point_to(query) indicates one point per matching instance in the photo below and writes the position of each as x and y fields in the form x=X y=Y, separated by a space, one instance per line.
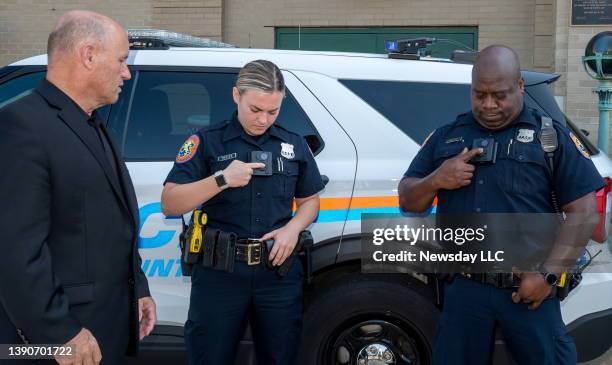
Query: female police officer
x=213 y=170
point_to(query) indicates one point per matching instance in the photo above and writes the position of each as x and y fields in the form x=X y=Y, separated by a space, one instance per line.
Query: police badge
x=525 y=135
x=287 y=150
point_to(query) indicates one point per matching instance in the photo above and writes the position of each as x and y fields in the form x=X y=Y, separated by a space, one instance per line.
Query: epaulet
x=286 y=130
x=214 y=127
x=459 y=118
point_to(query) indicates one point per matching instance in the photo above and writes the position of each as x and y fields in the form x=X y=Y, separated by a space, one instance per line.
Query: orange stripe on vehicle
x=374 y=202
x=360 y=202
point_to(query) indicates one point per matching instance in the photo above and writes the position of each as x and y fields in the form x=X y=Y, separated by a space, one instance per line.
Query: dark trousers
x=221 y=303
x=471 y=311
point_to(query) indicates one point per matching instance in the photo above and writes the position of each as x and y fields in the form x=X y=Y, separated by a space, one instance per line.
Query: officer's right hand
x=239 y=173
x=85 y=350
x=456 y=172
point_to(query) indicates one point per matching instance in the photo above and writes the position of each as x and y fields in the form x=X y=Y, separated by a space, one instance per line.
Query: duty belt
x=498 y=280
x=215 y=249
x=221 y=249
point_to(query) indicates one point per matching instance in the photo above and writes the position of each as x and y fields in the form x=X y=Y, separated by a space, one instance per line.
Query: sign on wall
x=591 y=12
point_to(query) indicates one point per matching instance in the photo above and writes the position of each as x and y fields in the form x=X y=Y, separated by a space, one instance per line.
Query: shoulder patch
x=188 y=149
x=579 y=146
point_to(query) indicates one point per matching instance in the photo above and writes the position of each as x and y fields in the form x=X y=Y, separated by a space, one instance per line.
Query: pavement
x=606 y=258
x=605 y=359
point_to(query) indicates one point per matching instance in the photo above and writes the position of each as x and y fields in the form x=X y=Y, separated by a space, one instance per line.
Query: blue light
x=391 y=46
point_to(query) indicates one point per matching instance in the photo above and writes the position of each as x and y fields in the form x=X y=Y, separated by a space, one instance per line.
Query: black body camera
x=489 y=147
x=265 y=158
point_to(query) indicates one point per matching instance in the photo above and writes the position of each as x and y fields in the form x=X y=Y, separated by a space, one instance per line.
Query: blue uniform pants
x=471 y=311
x=221 y=303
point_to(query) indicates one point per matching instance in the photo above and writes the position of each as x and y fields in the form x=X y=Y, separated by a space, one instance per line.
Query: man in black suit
x=70 y=271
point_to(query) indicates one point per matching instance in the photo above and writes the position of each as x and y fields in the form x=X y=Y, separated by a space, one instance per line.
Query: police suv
x=364 y=117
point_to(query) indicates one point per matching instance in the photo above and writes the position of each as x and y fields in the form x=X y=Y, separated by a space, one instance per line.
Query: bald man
x=518 y=180
x=71 y=269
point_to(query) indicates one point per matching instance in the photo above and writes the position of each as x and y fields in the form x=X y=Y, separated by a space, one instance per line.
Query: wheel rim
x=367 y=341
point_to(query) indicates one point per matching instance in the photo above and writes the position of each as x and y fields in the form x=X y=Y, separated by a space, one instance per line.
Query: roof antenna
x=299 y=36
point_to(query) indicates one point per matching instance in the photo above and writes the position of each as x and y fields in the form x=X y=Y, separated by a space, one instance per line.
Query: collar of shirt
x=94 y=120
x=234 y=130
x=526 y=116
x=60 y=100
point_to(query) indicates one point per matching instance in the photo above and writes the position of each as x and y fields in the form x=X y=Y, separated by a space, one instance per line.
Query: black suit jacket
x=68 y=229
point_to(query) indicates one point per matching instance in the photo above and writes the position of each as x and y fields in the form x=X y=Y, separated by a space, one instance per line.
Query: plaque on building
x=591 y=12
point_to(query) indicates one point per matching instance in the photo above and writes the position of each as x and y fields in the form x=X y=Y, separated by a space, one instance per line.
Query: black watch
x=220 y=180
x=550 y=278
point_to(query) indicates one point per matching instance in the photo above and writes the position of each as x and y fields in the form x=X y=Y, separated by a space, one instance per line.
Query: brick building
x=539 y=30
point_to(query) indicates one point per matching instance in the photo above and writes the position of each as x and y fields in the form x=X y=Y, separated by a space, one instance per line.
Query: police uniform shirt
x=519 y=180
x=265 y=203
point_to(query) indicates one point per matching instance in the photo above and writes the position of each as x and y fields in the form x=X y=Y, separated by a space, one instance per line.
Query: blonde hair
x=260 y=75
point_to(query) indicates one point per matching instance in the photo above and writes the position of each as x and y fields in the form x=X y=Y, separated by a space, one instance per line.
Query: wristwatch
x=220 y=180
x=550 y=278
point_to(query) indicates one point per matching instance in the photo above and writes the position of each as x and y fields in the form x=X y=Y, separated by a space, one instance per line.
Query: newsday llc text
x=451 y=243
x=412 y=235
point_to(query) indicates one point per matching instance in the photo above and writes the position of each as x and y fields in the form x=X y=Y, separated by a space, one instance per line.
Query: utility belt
x=219 y=250
x=497 y=279
x=566 y=283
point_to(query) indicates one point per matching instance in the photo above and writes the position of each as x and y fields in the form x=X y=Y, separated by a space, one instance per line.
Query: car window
x=16 y=88
x=168 y=106
x=541 y=98
x=414 y=107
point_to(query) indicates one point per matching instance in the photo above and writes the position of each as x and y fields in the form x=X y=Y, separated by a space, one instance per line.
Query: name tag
x=453 y=140
x=227 y=157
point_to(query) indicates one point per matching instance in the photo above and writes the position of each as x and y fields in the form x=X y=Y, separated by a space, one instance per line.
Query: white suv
x=364 y=116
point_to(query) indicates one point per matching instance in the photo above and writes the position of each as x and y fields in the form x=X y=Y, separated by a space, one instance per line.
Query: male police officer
x=246 y=200
x=519 y=182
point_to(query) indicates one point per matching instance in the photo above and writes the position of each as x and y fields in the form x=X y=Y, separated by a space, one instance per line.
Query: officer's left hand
x=533 y=290
x=147 y=315
x=285 y=240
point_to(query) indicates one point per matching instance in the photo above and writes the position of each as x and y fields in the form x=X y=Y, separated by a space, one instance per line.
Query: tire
x=393 y=315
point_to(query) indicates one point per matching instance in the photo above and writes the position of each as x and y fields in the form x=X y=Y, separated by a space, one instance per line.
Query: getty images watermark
x=453 y=243
x=411 y=235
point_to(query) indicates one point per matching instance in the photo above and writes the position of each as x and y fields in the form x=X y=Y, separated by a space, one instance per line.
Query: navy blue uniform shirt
x=519 y=181
x=265 y=203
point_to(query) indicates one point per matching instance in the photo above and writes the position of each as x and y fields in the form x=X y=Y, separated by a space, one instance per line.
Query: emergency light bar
x=409 y=48
x=415 y=48
x=163 y=39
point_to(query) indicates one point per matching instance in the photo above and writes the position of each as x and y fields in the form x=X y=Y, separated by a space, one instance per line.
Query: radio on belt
x=265 y=158
x=489 y=147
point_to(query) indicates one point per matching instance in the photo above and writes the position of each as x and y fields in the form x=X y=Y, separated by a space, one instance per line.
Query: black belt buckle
x=498 y=280
x=253 y=251
x=508 y=280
